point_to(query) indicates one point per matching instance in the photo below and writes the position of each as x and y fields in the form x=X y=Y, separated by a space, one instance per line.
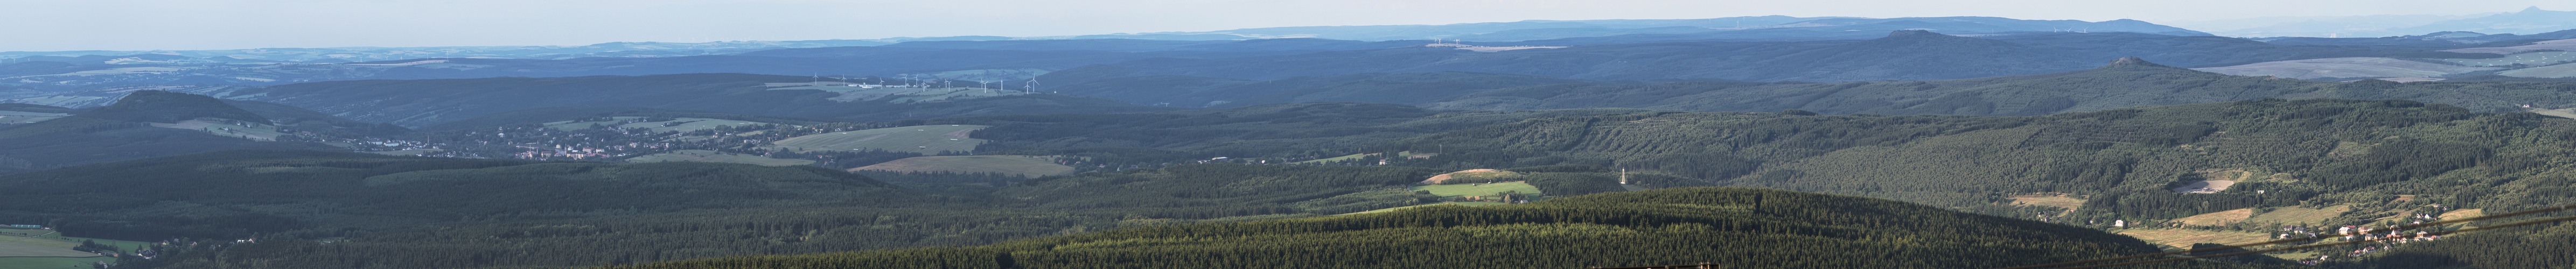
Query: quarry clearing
x=924 y=139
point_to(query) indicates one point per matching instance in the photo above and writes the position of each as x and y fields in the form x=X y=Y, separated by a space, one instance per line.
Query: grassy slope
x=1009 y=165
x=926 y=139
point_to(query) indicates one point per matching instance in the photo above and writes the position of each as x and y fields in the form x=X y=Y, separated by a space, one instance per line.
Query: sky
x=66 y=25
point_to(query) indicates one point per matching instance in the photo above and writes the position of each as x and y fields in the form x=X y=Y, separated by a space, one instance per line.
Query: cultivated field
x=925 y=139
x=51 y=262
x=2218 y=218
x=2184 y=238
x=2528 y=59
x=11 y=248
x=2347 y=67
x=1456 y=190
x=2562 y=44
x=1017 y=165
x=715 y=157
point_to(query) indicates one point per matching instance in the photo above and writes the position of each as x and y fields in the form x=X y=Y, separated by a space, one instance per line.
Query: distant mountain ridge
x=1895 y=55
x=2126 y=82
x=2531 y=20
x=428 y=102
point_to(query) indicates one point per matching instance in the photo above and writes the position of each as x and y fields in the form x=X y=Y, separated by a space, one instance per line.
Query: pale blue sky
x=55 y=25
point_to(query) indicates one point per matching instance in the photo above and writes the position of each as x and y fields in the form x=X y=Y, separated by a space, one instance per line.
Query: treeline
x=353 y=210
x=1725 y=226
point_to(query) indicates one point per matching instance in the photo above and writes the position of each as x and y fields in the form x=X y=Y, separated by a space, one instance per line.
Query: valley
x=1745 y=141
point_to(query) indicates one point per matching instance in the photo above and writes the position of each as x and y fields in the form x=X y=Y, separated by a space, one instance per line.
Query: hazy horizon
x=245 y=24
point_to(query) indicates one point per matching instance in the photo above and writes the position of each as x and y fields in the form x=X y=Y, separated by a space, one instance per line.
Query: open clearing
x=1015 y=165
x=2285 y=215
x=2557 y=114
x=2218 y=218
x=2348 y=67
x=2184 y=238
x=925 y=139
x=1413 y=206
x=2205 y=186
x=14 y=117
x=9 y=248
x=715 y=157
x=1457 y=190
x=2058 y=201
x=1472 y=175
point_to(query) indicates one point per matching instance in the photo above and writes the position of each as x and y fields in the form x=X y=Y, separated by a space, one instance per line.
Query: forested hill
x=126 y=130
x=247 y=193
x=169 y=107
x=1733 y=227
x=2126 y=82
x=2310 y=152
